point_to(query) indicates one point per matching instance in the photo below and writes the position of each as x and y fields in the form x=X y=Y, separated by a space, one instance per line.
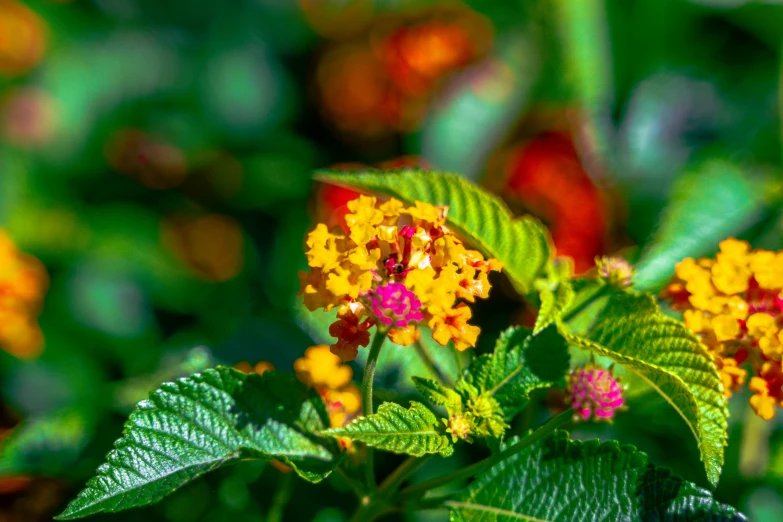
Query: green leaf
x=632 y=331
x=710 y=203
x=415 y=431
x=439 y=394
x=520 y=364
x=202 y=422
x=558 y=479
x=481 y=218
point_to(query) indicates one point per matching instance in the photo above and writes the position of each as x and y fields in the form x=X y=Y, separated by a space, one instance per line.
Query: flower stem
x=399 y=475
x=580 y=307
x=426 y=358
x=280 y=500
x=475 y=468
x=367 y=408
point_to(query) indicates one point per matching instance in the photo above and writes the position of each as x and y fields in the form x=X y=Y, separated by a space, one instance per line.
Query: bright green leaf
x=712 y=202
x=558 y=479
x=556 y=293
x=632 y=331
x=520 y=364
x=415 y=431
x=202 y=422
x=481 y=218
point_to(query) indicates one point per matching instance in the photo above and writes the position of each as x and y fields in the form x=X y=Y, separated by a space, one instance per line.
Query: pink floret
x=394 y=305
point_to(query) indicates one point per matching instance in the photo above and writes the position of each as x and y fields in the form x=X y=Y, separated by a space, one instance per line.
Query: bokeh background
x=156 y=159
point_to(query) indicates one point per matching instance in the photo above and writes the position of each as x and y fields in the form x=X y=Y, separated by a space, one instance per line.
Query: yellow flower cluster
x=396 y=267
x=734 y=304
x=23 y=282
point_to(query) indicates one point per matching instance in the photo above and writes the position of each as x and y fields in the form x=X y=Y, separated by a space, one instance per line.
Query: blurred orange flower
x=23 y=38
x=210 y=245
x=23 y=282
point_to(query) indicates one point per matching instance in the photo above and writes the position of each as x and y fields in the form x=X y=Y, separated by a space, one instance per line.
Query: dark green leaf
x=202 y=422
x=481 y=218
x=415 y=431
x=558 y=479
x=632 y=331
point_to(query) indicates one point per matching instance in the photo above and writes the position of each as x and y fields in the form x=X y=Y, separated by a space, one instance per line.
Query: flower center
x=394 y=305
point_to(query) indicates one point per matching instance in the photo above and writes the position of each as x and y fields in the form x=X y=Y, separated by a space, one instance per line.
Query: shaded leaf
x=196 y=424
x=558 y=479
x=632 y=331
x=521 y=363
x=712 y=202
x=439 y=394
x=415 y=431
x=481 y=218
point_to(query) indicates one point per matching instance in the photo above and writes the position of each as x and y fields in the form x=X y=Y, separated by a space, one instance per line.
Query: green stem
x=580 y=307
x=463 y=473
x=356 y=486
x=280 y=500
x=399 y=475
x=477 y=467
x=425 y=357
x=367 y=408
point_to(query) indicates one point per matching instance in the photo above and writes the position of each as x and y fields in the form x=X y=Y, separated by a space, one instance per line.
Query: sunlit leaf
x=481 y=218
x=205 y=421
x=415 y=431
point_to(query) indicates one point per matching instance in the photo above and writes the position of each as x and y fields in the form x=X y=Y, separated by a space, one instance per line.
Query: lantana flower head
x=733 y=303
x=594 y=393
x=395 y=267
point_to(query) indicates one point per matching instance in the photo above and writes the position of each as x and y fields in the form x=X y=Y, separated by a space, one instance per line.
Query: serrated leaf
x=481 y=218
x=415 y=431
x=521 y=363
x=439 y=394
x=558 y=479
x=713 y=201
x=632 y=331
x=199 y=423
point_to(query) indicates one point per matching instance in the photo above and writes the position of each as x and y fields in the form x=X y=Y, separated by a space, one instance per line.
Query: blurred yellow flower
x=733 y=303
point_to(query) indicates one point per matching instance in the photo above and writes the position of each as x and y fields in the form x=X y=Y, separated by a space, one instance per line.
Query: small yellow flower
x=452 y=325
x=404 y=336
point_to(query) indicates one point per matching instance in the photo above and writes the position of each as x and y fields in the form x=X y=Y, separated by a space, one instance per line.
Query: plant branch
x=367 y=407
x=580 y=307
x=399 y=475
x=280 y=500
x=477 y=467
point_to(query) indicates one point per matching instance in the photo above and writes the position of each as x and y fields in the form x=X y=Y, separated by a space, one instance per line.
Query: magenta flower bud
x=394 y=305
x=594 y=393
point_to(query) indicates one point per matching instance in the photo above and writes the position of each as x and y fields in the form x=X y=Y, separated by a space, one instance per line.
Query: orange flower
x=350 y=334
